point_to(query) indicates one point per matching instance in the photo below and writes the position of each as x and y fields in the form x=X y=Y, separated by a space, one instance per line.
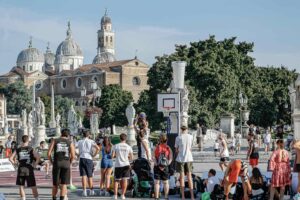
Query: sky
x=152 y=28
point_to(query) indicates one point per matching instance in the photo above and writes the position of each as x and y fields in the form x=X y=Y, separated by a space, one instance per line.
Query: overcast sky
x=153 y=27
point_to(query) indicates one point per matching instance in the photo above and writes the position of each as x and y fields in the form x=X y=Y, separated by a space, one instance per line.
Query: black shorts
x=161 y=174
x=61 y=173
x=122 y=173
x=29 y=179
x=224 y=159
x=86 y=167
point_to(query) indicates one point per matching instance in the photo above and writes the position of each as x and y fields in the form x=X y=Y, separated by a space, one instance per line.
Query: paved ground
x=203 y=162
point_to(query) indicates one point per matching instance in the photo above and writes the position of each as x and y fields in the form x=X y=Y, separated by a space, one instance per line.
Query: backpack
x=161 y=155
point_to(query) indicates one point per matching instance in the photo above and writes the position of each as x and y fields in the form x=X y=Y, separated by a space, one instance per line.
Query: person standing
x=106 y=166
x=281 y=171
x=267 y=141
x=224 y=153
x=123 y=154
x=238 y=142
x=8 y=150
x=235 y=169
x=43 y=163
x=145 y=146
x=87 y=150
x=216 y=147
x=184 y=159
x=253 y=151
x=25 y=156
x=163 y=157
x=139 y=124
x=199 y=137
x=63 y=155
x=296 y=167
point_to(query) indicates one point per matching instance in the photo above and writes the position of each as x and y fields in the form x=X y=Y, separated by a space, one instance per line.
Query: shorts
x=184 y=167
x=41 y=163
x=30 y=179
x=86 y=167
x=61 y=173
x=215 y=150
x=106 y=163
x=297 y=168
x=161 y=174
x=122 y=173
x=253 y=161
x=224 y=159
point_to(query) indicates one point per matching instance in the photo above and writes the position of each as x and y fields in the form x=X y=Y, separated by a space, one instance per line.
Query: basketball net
x=166 y=111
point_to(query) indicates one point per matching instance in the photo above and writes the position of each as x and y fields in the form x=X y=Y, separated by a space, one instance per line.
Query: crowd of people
x=117 y=160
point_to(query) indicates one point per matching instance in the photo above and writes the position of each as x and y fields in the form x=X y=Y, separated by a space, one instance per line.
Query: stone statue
x=5 y=126
x=130 y=114
x=39 y=113
x=30 y=125
x=24 y=118
x=292 y=94
x=72 y=120
x=185 y=100
x=94 y=123
x=80 y=122
x=57 y=119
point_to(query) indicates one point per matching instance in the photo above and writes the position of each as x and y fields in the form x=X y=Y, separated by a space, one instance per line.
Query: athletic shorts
x=61 y=173
x=29 y=178
x=106 y=163
x=86 y=167
x=184 y=167
x=224 y=159
x=122 y=173
x=161 y=174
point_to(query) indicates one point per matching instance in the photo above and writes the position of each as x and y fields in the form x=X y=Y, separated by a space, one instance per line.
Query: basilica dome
x=104 y=57
x=69 y=47
x=30 y=55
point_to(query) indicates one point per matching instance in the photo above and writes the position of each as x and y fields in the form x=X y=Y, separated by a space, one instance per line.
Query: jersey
x=25 y=156
x=61 y=149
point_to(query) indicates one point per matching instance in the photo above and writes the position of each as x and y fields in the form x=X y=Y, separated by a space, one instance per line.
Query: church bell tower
x=106 y=37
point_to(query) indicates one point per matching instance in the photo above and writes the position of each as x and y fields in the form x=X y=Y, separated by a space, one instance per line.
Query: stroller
x=143 y=181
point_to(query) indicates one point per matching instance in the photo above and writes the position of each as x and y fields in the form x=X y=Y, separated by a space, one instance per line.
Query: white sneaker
x=84 y=194
x=107 y=194
x=92 y=193
x=115 y=197
x=123 y=197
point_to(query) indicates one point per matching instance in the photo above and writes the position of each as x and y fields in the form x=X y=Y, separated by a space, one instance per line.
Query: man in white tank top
x=224 y=153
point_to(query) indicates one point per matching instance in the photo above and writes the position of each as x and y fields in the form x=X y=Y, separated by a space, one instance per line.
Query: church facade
x=67 y=73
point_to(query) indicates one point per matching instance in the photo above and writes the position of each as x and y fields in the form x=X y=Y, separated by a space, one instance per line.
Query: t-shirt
x=25 y=156
x=211 y=182
x=85 y=147
x=184 y=144
x=62 y=149
x=216 y=146
x=267 y=138
x=122 y=151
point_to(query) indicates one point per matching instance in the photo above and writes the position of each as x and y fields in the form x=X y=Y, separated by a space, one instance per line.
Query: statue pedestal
x=245 y=130
x=52 y=124
x=227 y=124
x=296 y=120
x=30 y=133
x=57 y=132
x=40 y=135
x=131 y=137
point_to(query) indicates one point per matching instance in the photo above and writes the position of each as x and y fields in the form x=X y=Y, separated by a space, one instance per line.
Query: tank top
x=105 y=155
x=222 y=148
x=25 y=156
x=62 y=149
x=144 y=154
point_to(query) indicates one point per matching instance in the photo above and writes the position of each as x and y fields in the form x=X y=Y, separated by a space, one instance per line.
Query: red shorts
x=253 y=161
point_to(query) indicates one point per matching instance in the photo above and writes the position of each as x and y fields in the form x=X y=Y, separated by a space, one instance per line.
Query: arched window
x=83 y=103
x=78 y=82
x=77 y=103
x=111 y=40
x=63 y=83
x=30 y=67
x=106 y=39
x=136 y=80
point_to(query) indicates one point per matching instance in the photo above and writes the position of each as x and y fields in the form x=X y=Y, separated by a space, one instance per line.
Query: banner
x=6 y=166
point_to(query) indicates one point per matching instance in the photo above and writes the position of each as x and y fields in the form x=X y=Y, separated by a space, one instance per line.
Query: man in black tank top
x=63 y=155
x=27 y=160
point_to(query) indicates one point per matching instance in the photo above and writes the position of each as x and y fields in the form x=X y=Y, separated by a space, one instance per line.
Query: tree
x=216 y=72
x=18 y=97
x=113 y=103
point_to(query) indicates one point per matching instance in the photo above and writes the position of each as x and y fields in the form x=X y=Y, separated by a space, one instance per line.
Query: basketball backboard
x=168 y=102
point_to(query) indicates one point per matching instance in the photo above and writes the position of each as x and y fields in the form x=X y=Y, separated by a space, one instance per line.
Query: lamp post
x=94 y=116
x=244 y=113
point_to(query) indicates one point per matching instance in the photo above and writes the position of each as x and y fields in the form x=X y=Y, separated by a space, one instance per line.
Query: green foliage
x=62 y=106
x=113 y=103
x=216 y=72
x=18 y=97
